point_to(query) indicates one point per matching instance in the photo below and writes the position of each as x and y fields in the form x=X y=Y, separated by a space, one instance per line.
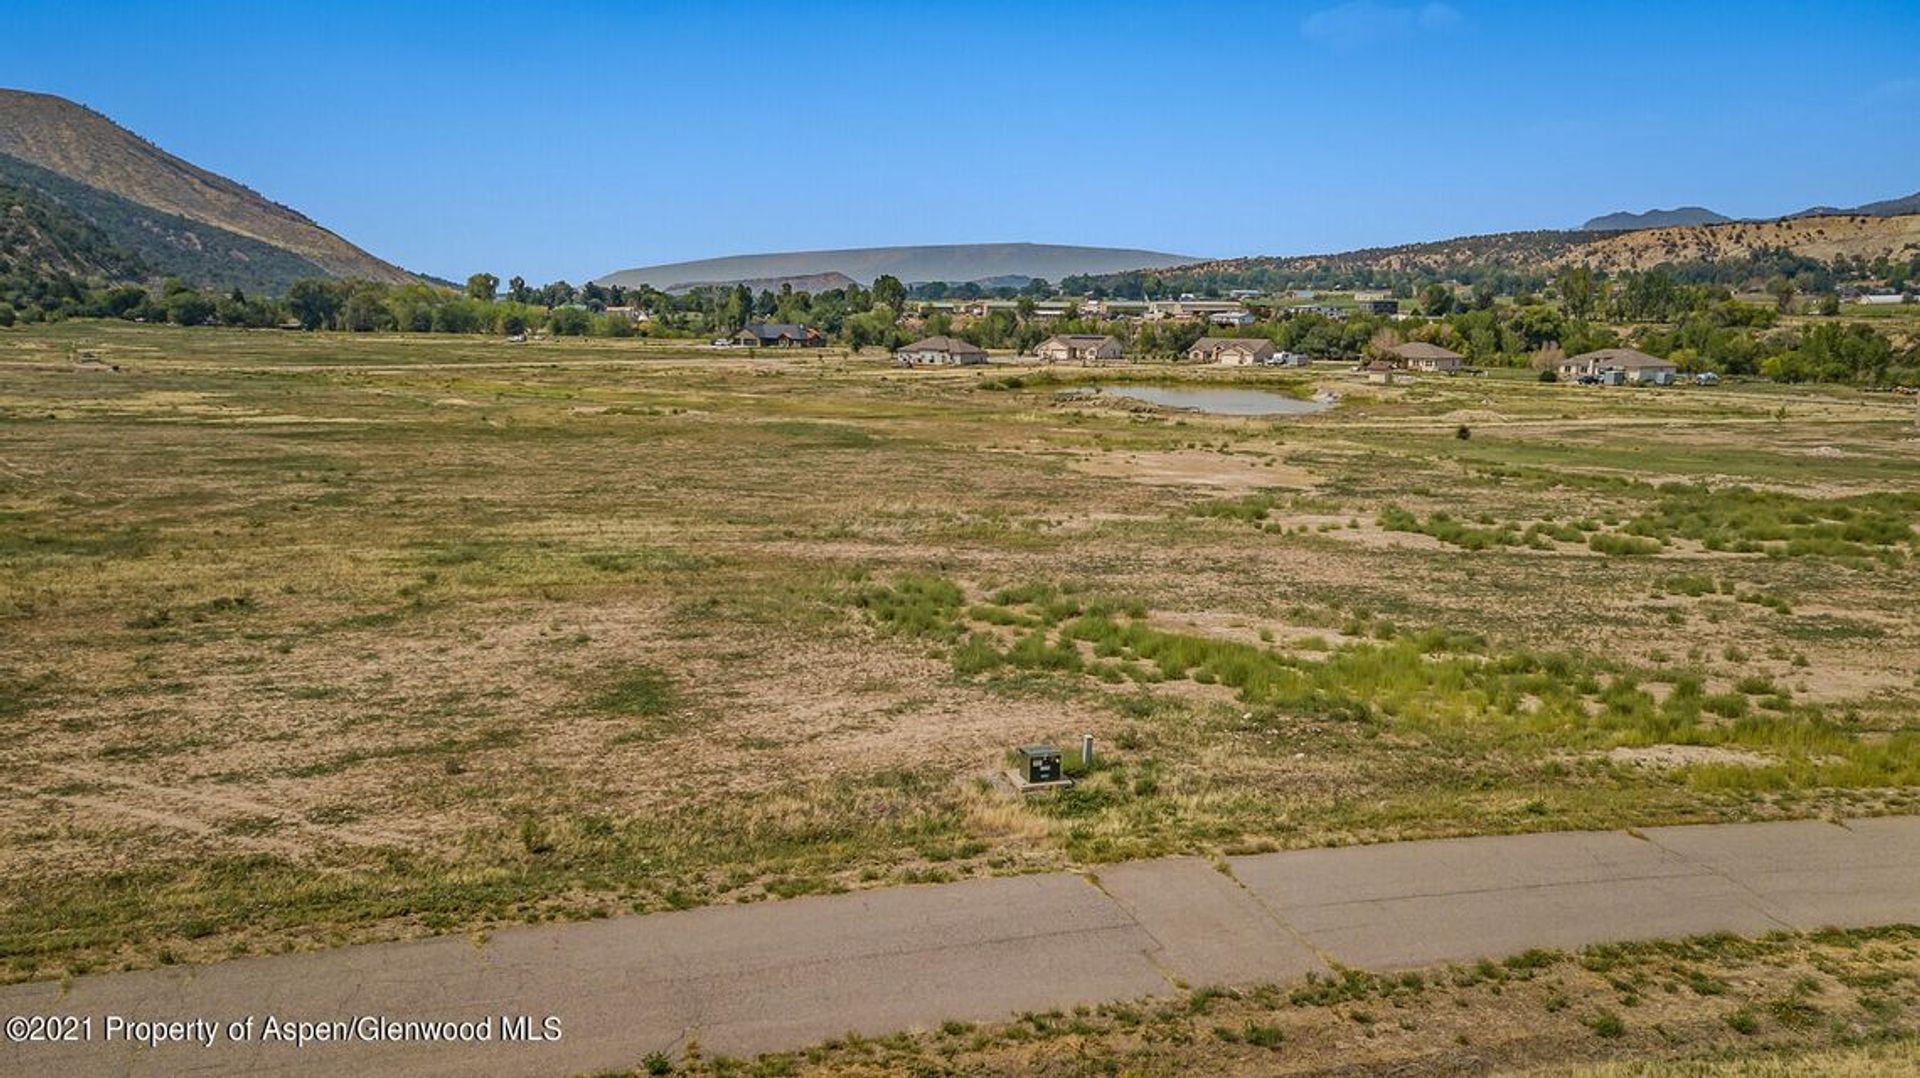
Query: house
x=1231 y=318
x=941 y=352
x=1379 y=306
x=1232 y=351
x=1421 y=356
x=779 y=335
x=1081 y=347
x=1628 y=364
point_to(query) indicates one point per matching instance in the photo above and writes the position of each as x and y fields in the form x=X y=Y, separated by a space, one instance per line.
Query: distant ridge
x=180 y=218
x=1891 y=207
x=810 y=282
x=956 y=263
x=1700 y=215
x=1823 y=237
x=1680 y=215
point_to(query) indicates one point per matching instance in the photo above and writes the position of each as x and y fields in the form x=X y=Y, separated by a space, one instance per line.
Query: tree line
x=1697 y=324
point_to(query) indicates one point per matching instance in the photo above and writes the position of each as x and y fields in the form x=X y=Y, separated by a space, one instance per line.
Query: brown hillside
x=84 y=146
x=1544 y=252
x=1825 y=238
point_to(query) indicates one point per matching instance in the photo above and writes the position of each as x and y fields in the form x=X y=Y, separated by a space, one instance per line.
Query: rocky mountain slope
x=178 y=217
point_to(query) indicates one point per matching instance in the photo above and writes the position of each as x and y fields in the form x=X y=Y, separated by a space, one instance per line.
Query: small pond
x=1221 y=401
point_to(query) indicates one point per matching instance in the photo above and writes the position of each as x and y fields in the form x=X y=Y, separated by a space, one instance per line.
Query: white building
x=941 y=352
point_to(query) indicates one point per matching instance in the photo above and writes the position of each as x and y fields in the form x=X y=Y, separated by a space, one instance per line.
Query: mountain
x=1823 y=238
x=1680 y=215
x=806 y=282
x=1892 y=207
x=1700 y=215
x=958 y=263
x=176 y=217
x=38 y=232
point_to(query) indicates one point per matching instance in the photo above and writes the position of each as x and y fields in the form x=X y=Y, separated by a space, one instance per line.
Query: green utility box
x=1040 y=763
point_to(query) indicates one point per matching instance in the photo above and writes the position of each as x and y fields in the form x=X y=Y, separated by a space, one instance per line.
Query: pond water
x=1221 y=401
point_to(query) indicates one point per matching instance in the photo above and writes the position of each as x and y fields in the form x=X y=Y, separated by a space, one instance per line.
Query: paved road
x=747 y=979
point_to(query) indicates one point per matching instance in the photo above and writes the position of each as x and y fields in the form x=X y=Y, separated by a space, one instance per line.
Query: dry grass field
x=311 y=639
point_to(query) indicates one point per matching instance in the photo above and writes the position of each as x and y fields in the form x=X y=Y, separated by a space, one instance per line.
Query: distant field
x=313 y=638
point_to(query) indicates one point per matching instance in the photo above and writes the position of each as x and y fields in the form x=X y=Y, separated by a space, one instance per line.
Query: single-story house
x=1421 y=356
x=1082 y=347
x=1232 y=351
x=1379 y=306
x=1231 y=318
x=1631 y=366
x=941 y=352
x=779 y=335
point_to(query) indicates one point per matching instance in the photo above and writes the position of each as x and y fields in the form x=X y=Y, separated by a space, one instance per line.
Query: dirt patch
x=1666 y=757
x=1193 y=468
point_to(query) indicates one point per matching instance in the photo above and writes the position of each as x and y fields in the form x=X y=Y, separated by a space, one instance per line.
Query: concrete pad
x=781 y=975
x=740 y=979
x=1814 y=874
x=1403 y=905
x=1209 y=928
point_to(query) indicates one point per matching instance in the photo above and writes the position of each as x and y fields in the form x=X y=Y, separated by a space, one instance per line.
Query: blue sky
x=573 y=140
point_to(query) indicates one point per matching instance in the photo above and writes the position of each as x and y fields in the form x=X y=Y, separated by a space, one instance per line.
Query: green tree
x=364 y=312
x=890 y=293
x=1578 y=291
x=571 y=322
x=1436 y=299
x=189 y=309
x=483 y=287
x=313 y=302
x=1782 y=289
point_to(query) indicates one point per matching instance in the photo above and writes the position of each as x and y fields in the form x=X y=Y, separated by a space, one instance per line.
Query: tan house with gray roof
x=1421 y=356
x=1080 y=347
x=1621 y=364
x=1232 y=351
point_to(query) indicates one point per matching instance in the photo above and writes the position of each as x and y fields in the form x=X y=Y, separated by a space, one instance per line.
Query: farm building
x=1079 y=347
x=1379 y=372
x=1231 y=318
x=1189 y=307
x=779 y=335
x=1628 y=364
x=1232 y=351
x=941 y=352
x=1421 y=356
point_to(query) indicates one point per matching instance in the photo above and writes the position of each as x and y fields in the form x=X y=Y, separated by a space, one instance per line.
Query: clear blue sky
x=572 y=140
